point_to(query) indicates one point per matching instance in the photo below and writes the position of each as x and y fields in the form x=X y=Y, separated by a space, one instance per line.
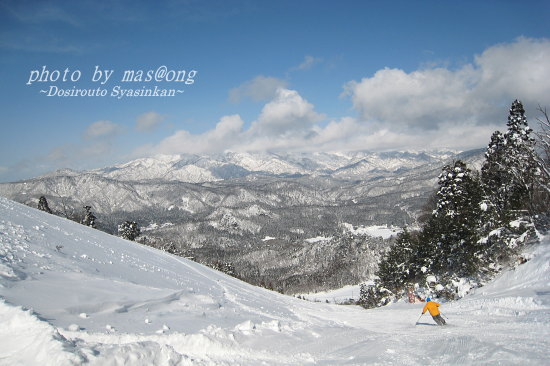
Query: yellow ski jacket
x=432 y=307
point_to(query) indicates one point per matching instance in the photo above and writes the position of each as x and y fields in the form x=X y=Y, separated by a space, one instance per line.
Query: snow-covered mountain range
x=129 y=187
x=198 y=169
x=71 y=295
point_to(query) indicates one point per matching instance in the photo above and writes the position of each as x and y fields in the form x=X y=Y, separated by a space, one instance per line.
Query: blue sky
x=271 y=75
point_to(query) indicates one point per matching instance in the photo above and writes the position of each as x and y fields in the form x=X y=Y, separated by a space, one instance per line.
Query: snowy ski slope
x=71 y=295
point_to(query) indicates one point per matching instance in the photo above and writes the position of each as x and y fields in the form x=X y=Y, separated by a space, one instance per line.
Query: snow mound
x=28 y=341
x=516 y=291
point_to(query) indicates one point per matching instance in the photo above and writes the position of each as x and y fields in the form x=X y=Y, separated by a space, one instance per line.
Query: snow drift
x=72 y=295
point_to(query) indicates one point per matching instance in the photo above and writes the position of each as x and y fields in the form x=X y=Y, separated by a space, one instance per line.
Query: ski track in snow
x=71 y=295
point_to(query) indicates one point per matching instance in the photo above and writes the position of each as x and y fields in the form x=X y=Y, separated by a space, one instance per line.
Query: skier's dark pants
x=439 y=320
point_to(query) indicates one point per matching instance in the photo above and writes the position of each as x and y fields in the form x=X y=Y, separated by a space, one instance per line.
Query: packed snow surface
x=71 y=295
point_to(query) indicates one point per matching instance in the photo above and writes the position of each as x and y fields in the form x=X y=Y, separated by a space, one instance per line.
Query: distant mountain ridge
x=200 y=169
x=129 y=186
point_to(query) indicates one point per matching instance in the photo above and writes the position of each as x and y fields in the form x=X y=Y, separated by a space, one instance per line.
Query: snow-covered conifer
x=452 y=230
x=89 y=217
x=43 y=205
x=512 y=177
x=396 y=269
x=129 y=230
x=373 y=296
x=543 y=142
x=511 y=170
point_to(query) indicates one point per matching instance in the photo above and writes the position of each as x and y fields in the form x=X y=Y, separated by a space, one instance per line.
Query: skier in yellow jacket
x=432 y=307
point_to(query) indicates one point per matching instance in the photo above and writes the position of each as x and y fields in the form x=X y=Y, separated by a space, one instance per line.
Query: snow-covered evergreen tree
x=542 y=196
x=511 y=177
x=493 y=171
x=373 y=296
x=172 y=248
x=89 y=217
x=129 y=230
x=452 y=230
x=543 y=140
x=511 y=170
x=224 y=267
x=43 y=205
x=395 y=269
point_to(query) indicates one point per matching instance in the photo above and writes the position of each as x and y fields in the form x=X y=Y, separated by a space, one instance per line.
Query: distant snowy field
x=71 y=295
x=375 y=230
x=335 y=296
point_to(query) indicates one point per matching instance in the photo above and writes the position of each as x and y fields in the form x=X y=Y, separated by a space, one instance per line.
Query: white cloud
x=288 y=113
x=39 y=13
x=226 y=134
x=71 y=154
x=149 y=121
x=58 y=154
x=284 y=122
x=308 y=63
x=520 y=69
x=421 y=99
x=261 y=88
x=102 y=129
x=98 y=147
x=80 y=156
x=475 y=93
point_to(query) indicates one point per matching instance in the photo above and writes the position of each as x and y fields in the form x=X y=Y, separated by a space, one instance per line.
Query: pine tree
x=494 y=174
x=543 y=142
x=451 y=233
x=542 y=195
x=511 y=177
x=129 y=230
x=89 y=217
x=511 y=170
x=172 y=248
x=225 y=267
x=43 y=205
x=373 y=296
x=395 y=269
x=521 y=160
